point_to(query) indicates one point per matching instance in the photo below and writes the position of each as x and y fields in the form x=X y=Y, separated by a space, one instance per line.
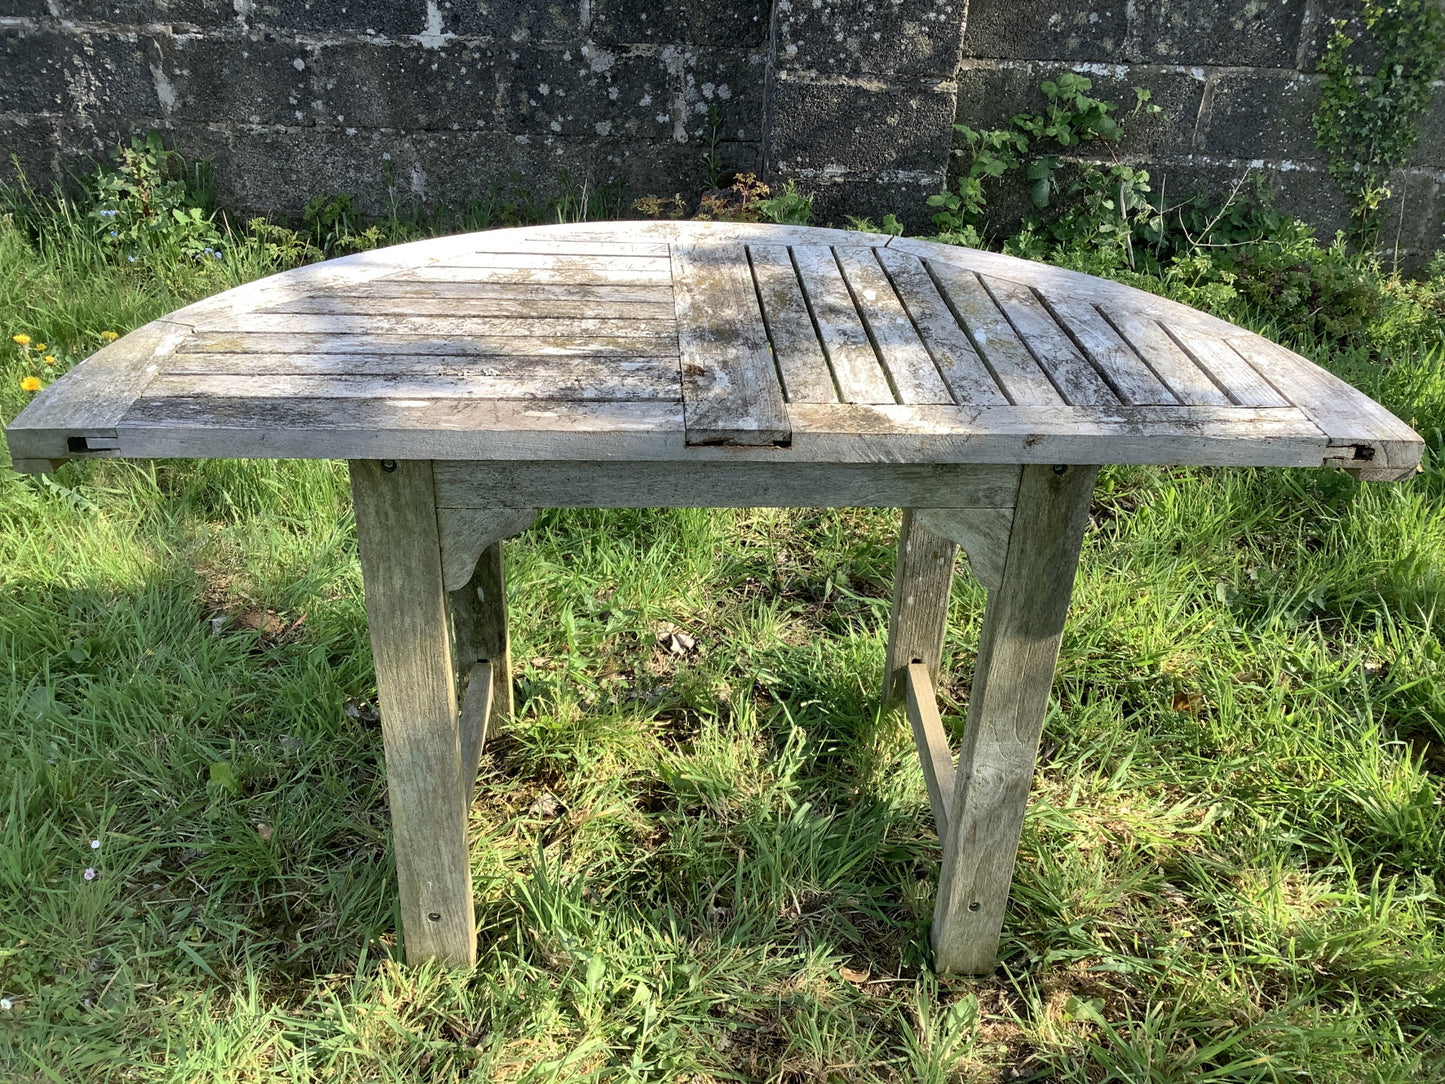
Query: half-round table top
x=647 y=341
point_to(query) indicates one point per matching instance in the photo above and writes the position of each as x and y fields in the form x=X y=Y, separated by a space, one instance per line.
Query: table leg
x=1018 y=648
x=479 y=618
x=396 y=528
x=921 y=582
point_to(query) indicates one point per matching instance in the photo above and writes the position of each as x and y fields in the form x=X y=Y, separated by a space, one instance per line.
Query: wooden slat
x=1368 y=437
x=479 y=625
x=931 y=742
x=472 y=346
x=635 y=381
x=963 y=370
x=599 y=276
x=444 y=326
x=472 y=723
x=514 y=366
x=730 y=387
x=514 y=291
x=800 y=357
x=856 y=369
x=1078 y=382
x=1231 y=372
x=1189 y=383
x=1132 y=380
x=532 y=241
x=1013 y=367
x=910 y=366
x=535 y=309
x=549 y=262
x=725 y=484
x=982 y=534
x=466 y=533
x=1018 y=647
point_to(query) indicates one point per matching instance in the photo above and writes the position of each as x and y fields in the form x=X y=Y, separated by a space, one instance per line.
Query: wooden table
x=471 y=380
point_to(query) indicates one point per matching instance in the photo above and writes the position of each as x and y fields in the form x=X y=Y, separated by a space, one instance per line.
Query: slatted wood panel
x=656 y=340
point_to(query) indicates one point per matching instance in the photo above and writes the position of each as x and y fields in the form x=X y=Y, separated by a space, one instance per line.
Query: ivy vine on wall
x=1367 y=124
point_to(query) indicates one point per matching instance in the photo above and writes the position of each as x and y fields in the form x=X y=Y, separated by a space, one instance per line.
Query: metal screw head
x=388 y=465
x=1060 y=469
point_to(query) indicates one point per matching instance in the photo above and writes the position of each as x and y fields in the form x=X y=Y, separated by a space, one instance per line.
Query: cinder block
x=408 y=86
x=32 y=143
x=44 y=71
x=514 y=21
x=853 y=127
x=742 y=24
x=392 y=17
x=990 y=97
x=1430 y=151
x=864 y=195
x=238 y=77
x=203 y=13
x=1238 y=34
x=1266 y=115
x=893 y=38
x=87 y=143
x=593 y=92
x=1047 y=30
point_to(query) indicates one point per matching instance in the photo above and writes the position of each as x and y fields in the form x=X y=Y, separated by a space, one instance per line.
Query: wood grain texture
x=1078 y=382
x=724 y=484
x=479 y=624
x=473 y=723
x=964 y=372
x=1240 y=381
x=931 y=742
x=1189 y=383
x=730 y=388
x=800 y=357
x=909 y=365
x=542 y=344
x=982 y=534
x=922 y=580
x=299 y=326
x=1124 y=371
x=387 y=289
x=396 y=527
x=856 y=369
x=465 y=532
x=1018 y=648
x=1009 y=361
x=424 y=304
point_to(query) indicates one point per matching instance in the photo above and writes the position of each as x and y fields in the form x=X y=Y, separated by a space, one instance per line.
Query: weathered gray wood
x=982 y=534
x=922 y=578
x=856 y=368
x=396 y=527
x=521 y=346
x=294 y=324
x=1078 y=382
x=1132 y=380
x=87 y=403
x=479 y=624
x=1018 y=647
x=963 y=370
x=466 y=532
x=800 y=357
x=580 y=276
x=724 y=484
x=526 y=307
x=541 y=367
x=1230 y=371
x=531 y=240
x=547 y=261
x=931 y=742
x=911 y=371
x=1368 y=438
x=473 y=723
x=1013 y=367
x=1187 y=380
x=389 y=288
x=630 y=380
x=730 y=388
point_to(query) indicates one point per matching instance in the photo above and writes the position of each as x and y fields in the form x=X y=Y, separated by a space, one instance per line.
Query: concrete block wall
x=436 y=101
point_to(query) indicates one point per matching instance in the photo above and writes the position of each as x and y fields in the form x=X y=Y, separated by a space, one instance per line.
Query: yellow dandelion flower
x=30 y=383
x=23 y=340
x=40 y=346
x=49 y=359
x=109 y=336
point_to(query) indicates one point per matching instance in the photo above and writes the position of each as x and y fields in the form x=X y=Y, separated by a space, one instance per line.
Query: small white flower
x=6 y=1004
x=95 y=844
x=90 y=873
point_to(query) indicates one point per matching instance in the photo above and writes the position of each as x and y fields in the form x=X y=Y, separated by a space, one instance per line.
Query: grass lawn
x=717 y=864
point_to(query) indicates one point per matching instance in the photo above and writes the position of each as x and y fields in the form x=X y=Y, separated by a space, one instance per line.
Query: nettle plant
x=1099 y=202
